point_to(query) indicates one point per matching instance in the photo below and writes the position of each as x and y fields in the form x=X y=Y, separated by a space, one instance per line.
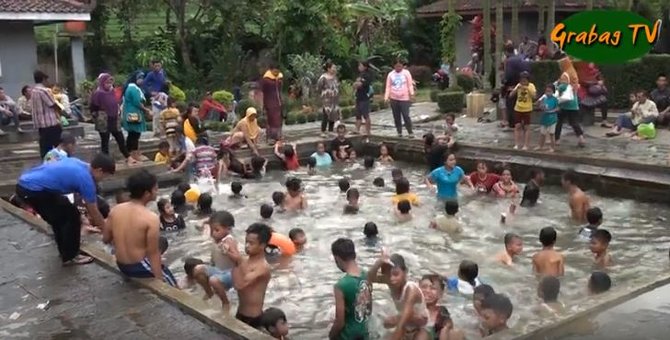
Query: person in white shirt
x=644 y=111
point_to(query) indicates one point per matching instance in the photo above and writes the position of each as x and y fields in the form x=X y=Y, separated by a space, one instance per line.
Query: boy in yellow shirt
x=163 y=154
x=402 y=193
x=169 y=122
x=525 y=97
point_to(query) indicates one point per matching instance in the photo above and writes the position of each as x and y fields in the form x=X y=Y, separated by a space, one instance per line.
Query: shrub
x=224 y=97
x=465 y=82
x=311 y=117
x=291 y=118
x=301 y=118
x=192 y=94
x=346 y=90
x=242 y=107
x=262 y=122
x=349 y=101
x=451 y=101
x=374 y=106
x=433 y=95
x=543 y=73
x=176 y=93
x=378 y=87
x=382 y=104
x=86 y=88
x=423 y=75
x=346 y=112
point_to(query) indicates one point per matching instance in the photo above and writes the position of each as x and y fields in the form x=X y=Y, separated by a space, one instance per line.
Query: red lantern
x=75 y=26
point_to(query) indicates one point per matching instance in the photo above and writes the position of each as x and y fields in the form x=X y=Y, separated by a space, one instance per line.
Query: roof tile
x=43 y=6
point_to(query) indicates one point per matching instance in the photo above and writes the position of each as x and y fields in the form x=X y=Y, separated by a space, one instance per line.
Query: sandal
x=78 y=261
x=611 y=134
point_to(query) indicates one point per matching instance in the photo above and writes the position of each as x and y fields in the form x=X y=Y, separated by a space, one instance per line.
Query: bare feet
x=550 y=150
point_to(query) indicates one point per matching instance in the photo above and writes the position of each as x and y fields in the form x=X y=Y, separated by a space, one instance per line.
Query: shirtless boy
x=548 y=261
x=513 y=247
x=251 y=275
x=600 y=241
x=579 y=202
x=295 y=198
x=134 y=231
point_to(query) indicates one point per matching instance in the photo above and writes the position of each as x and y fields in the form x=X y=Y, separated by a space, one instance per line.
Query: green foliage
x=545 y=72
x=622 y=79
x=346 y=112
x=176 y=93
x=422 y=74
x=158 y=47
x=223 y=97
x=217 y=126
x=86 y=87
x=433 y=95
x=242 y=107
x=346 y=91
x=451 y=101
x=374 y=106
x=311 y=117
x=306 y=70
x=449 y=26
x=378 y=87
x=291 y=118
x=301 y=118
x=465 y=82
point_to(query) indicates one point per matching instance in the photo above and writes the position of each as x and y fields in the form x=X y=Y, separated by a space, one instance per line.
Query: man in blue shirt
x=44 y=188
x=155 y=81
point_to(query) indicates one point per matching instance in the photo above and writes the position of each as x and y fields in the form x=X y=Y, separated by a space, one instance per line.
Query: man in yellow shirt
x=525 y=97
x=402 y=193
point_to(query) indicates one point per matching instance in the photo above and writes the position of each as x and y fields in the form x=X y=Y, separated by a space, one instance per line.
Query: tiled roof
x=475 y=6
x=43 y=6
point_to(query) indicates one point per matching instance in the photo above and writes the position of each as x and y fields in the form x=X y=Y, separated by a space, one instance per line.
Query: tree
x=551 y=22
x=499 y=40
x=515 y=21
x=181 y=8
x=450 y=23
x=541 y=12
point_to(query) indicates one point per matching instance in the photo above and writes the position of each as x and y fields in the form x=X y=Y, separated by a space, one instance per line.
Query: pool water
x=303 y=287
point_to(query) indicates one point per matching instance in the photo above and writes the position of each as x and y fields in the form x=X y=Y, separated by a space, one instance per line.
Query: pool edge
x=187 y=303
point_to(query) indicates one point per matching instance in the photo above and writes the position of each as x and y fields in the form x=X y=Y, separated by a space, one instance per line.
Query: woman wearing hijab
x=272 y=103
x=134 y=116
x=569 y=108
x=246 y=131
x=105 y=111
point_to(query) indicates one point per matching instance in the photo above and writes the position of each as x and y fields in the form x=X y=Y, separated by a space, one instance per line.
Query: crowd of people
x=136 y=234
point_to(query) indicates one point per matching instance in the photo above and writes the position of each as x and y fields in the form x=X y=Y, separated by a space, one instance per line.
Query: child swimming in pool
x=402 y=192
x=496 y=310
x=595 y=218
x=506 y=188
x=288 y=154
x=440 y=325
x=600 y=241
x=299 y=238
x=368 y=162
x=384 y=155
x=352 y=202
x=448 y=223
x=599 y=282
x=311 y=166
x=217 y=278
x=371 y=234
x=205 y=202
x=409 y=322
x=548 y=290
x=403 y=211
x=396 y=174
x=548 y=261
x=266 y=211
x=295 y=198
x=467 y=280
x=189 y=266
x=274 y=323
x=378 y=182
x=236 y=189
x=170 y=221
x=344 y=185
x=513 y=247
x=278 y=198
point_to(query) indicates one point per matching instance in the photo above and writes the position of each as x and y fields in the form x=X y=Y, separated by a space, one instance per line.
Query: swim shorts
x=225 y=276
x=142 y=270
x=254 y=322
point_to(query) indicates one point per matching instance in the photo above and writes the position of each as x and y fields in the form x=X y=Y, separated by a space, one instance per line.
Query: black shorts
x=254 y=322
x=363 y=109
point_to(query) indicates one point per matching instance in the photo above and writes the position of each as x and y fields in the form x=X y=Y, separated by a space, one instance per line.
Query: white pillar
x=78 y=61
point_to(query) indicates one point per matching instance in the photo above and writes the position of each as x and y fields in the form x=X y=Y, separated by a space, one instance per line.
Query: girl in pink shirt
x=400 y=93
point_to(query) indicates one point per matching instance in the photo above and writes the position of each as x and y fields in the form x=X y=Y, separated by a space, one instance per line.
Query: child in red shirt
x=288 y=155
x=482 y=179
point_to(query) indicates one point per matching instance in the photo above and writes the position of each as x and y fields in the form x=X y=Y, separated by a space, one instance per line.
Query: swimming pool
x=303 y=288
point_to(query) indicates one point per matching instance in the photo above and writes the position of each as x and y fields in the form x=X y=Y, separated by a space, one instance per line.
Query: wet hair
x=236 y=187
x=548 y=236
x=271 y=317
x=189 y=265
x=67 y=139
x=570 y=176
x=401 y=186
x=294 y=233
x=293 y=184
x=288 y=151
x=594 y=215
x=311 y=162
x=550 y=286
x=161 y=205
x=263 y=231
x=140 y=182
x=602 y=235
x=105 y=163
x=396 y=173
x=162 y=244
x=163 y=145
x=509 y=237
x=499 y=304
x=353 y=193
x=451 y=207
x=468 y=271
x=404 y=207
x=278 y=197
x=368 y=162
x=599 y=282
x=222 y=218
x=435 y=279
x=344 y=185
x=40 y=77
x=378 y=182
x=370 y=230
x=177 y=198
x=205 y=203
x=266 y=211
x=398 y=262
x=344 y=249
x=484 y=290
x=184 y=187
x=103 y=207
x=551 y=86
x=428 y=139
x=257 y=163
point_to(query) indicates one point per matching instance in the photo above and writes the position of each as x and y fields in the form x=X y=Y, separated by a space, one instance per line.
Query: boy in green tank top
x=353 y=295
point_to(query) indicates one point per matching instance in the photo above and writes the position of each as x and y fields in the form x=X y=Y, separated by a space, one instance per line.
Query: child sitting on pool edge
x=294 y=198
x=352 y=201
x=274 y=323
x=403 y=211
x=513 y=247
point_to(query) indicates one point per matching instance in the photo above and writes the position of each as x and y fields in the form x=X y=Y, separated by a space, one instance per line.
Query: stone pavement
x=86 y=302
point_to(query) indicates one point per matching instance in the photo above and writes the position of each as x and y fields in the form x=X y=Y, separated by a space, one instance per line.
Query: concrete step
x=32 y=135
x=28 y=125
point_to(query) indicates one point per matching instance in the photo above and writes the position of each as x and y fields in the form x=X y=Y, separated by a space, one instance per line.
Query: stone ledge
x=32 y=135
x=189 y=304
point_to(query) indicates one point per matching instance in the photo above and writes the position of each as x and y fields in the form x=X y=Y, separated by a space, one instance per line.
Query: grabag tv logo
x=607 y=37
